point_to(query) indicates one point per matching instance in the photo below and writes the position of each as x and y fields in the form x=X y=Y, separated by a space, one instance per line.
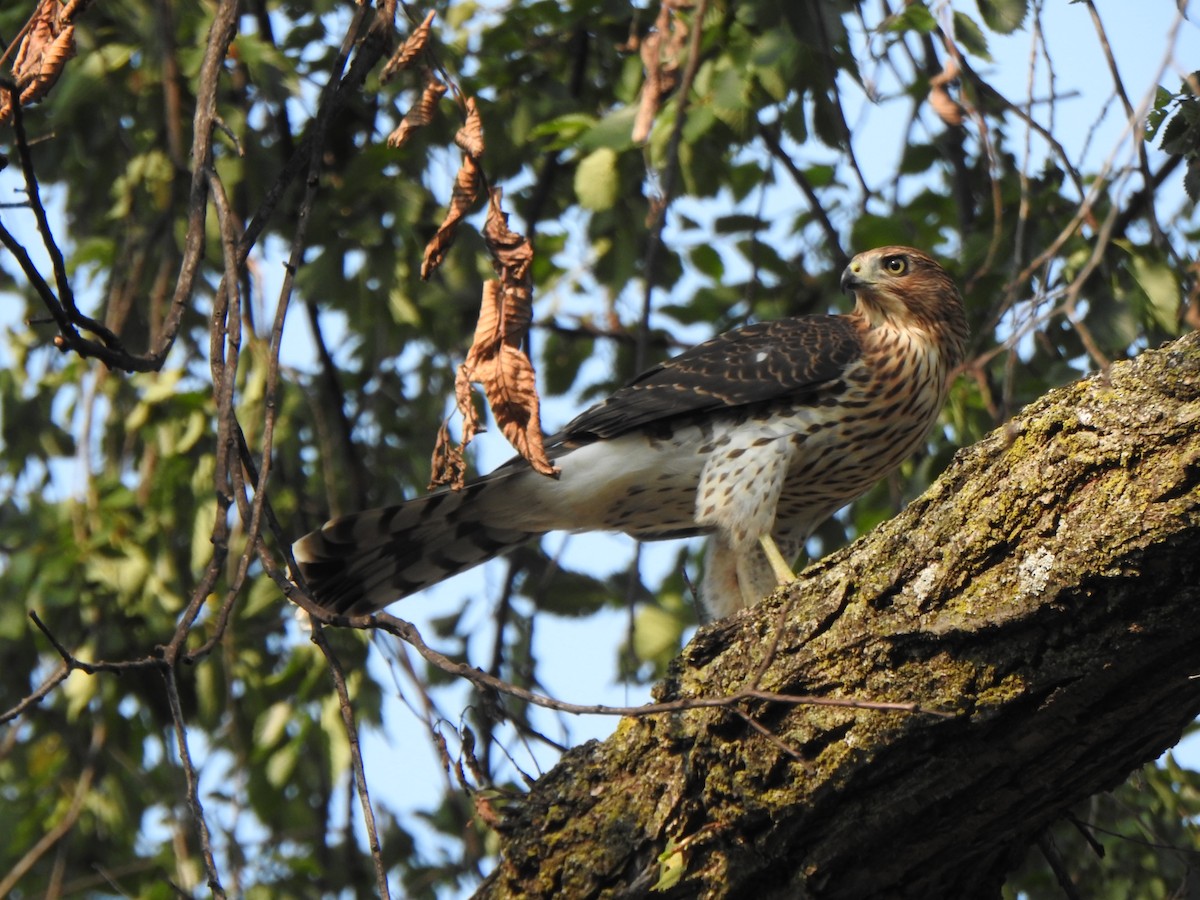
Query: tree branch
x=1044 y=589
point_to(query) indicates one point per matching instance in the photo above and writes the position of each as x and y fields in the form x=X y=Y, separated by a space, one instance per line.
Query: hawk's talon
x=779 y=565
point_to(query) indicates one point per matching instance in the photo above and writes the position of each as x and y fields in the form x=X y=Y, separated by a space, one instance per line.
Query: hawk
x=754 y=437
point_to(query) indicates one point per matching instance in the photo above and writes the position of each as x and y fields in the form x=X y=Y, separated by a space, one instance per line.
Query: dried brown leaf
x=652 y=91
x=947 y=108
x=512 y=394
x=449 y=465
x=661 y=51
x=47 y=42
x=496 y=362
x=470 y=137
x=466 y=190
x=421 y=114
x=486 y=812
x=53 y=59
x=408 y=51
x=512 y=254
x=39 y=35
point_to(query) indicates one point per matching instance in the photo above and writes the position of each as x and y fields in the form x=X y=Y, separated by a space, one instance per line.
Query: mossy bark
x=1045 y=591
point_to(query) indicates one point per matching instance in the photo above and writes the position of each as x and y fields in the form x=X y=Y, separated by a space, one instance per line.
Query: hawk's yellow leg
x=779 y=565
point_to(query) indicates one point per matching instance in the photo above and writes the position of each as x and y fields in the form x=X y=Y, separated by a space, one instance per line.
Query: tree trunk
x=1043 y=592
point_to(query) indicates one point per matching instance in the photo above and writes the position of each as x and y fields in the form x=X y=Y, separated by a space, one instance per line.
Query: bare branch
x=360 y=777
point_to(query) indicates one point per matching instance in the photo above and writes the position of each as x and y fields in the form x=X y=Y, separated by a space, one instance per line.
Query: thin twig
x=832 y=239
x=407 y=632
x=1050 y=852
x=193 y=783
x=356 y=763
x=57 y=677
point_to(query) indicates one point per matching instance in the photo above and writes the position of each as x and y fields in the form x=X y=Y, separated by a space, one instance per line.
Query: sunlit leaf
x=596 y=181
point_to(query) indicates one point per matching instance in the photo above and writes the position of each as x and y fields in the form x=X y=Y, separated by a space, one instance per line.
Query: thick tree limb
x=1044 y=589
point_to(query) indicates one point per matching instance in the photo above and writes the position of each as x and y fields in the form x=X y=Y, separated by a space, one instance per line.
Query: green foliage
x=1003 y=16
x=1137 y=841
x=1181 y=134
x=119 y=508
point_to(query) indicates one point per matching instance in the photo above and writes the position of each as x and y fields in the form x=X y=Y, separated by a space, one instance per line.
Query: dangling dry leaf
x=947 y=108
x=466 y=189
x=421 y=114
x=449 y=466
x=53 y=59
x=47 y=44
x=651 y=88
x=496 y=361
x=511 y=253
x=661 y=51
x=470 y=137
x=408 y=51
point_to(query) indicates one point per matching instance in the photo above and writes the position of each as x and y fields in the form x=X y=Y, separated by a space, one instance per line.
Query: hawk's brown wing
x=755 y=364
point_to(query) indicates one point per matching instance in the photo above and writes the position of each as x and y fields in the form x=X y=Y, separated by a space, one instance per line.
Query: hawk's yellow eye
x=895 y=265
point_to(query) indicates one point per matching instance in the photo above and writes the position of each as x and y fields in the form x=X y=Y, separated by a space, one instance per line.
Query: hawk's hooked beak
x=852 y=278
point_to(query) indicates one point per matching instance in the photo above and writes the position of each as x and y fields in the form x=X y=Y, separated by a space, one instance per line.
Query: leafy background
x=1058 y=187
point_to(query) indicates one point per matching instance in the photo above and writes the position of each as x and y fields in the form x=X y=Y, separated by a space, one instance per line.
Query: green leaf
x=656 y=633
x=564 y=130
x=614 y=131
x=1191 y=180
x=707 y=260
x=671 y=867
x=1159 y=113
x=1003 y=16
x=79 y=690
x=596 y=180
x=970 y=36
x=738 y=223
x=1161 y=287
x=916 y=17
x=271 y=726
x=1177 y=136
x=282 y=763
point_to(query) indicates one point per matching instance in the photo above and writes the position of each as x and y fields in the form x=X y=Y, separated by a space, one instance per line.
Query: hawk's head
x=908 y=290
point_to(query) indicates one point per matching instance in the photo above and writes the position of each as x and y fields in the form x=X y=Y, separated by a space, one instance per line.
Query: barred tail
x=360 y=563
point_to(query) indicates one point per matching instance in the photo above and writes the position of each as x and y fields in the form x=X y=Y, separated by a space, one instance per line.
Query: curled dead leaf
x=47 y=42
x=497 y=362
x=449 y=467
x=408 y=51
x=469 y=138
x=661 y=52
x=485 y=811
x=945 y=106
x=53 y=59
x=512 y=254
x=651 y=88
x=421 y=114
x=466 y=189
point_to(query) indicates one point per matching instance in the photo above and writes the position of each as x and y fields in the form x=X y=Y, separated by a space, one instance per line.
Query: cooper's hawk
x=754 y=437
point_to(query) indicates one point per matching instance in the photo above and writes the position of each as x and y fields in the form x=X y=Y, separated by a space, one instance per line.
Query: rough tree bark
x=1043 y=592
